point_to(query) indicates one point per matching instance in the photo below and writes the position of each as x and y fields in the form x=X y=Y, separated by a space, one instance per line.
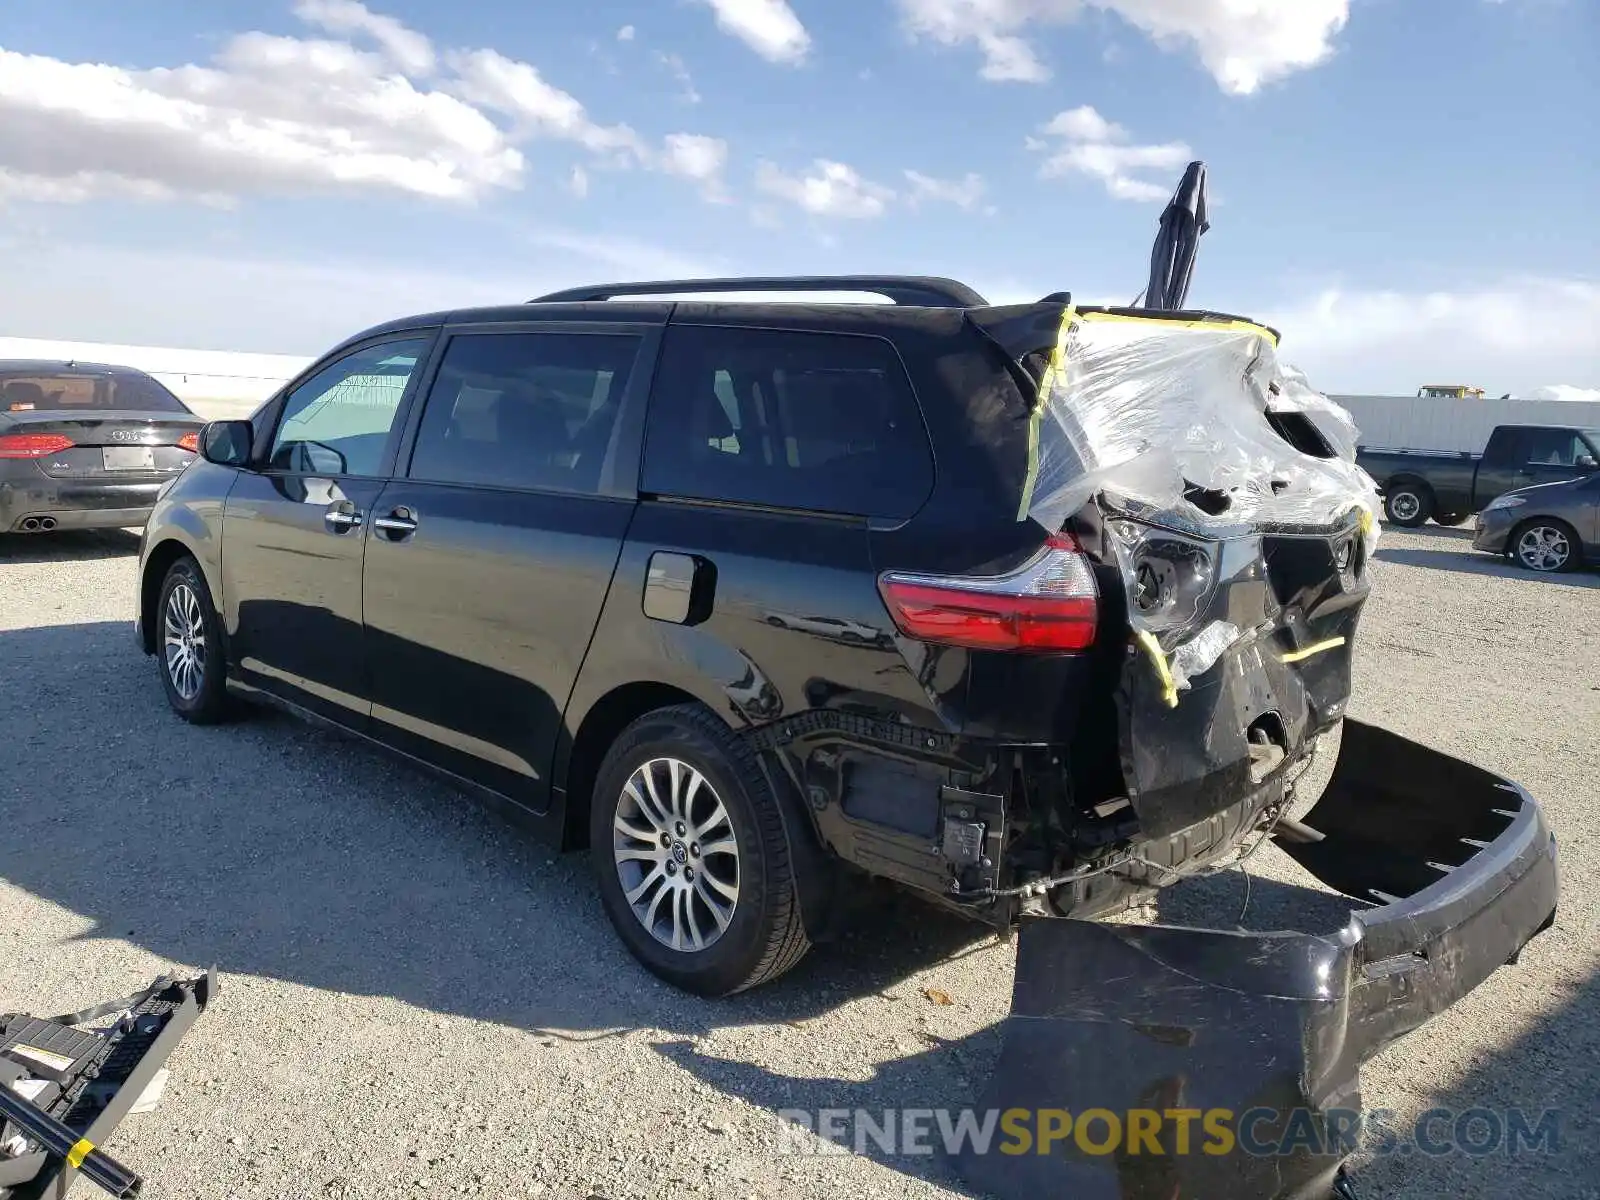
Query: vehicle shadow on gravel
x=72 y=546
x=1547 y=1075
x=279 y=850
x=276 y=850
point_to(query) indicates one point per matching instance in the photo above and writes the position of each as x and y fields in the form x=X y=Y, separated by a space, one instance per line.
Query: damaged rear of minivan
x=1207 y=572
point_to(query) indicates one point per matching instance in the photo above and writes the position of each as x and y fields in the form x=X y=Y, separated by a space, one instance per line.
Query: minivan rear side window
x=524 y=410
x=815 y=421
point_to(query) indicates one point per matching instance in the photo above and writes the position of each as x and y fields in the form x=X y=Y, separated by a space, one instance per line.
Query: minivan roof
x=653 y=301
x=923 y=291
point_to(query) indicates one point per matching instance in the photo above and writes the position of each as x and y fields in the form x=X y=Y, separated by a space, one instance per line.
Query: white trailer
x=1448 y=423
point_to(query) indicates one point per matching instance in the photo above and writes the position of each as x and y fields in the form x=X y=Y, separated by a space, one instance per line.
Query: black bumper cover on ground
x=1461 y=866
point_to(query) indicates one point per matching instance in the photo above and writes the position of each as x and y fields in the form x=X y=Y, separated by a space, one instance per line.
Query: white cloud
x=1566 y=392
x=408 y=49
x=680 y=71
x=626 y=34
x=832 y=189
x=769 y=27
x=490 y=80
x=1242 y=43
x=1084 y=124
x=699 y=158
x=964 y=193
x=272 y=114
x=1508 y=336
x=1081 y=141
x=578 y=182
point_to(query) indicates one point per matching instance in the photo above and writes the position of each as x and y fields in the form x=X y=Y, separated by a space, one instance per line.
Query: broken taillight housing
x=1170 y=576
x=1048 y=604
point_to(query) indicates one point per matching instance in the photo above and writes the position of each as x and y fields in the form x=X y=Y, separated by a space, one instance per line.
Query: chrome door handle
x=399 y=525
x=342 y=520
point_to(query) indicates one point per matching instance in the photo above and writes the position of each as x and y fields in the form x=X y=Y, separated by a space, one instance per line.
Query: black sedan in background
x=85 y=446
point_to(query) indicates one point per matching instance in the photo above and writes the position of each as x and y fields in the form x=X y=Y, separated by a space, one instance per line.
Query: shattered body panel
x=1123 y=1017
x=1220 y=491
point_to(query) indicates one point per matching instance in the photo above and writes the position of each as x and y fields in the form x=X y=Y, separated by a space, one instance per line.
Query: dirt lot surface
x=418 y=1001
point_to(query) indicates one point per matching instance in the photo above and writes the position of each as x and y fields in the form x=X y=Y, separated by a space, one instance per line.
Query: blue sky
x=1406 y=186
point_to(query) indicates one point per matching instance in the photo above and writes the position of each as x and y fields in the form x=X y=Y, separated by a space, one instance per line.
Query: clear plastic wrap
x=1295 y=394
x=1172 y=415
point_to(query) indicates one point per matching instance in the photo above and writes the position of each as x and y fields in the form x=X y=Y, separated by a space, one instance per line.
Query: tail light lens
x=1049 y=604
x=190 y=442
x=33 y=445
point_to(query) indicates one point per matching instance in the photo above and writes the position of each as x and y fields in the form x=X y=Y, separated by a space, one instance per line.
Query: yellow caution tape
x=1058 y=363
x=1298 y=655
x=1158 y=659
x=81 y=1149
x=1235 y=326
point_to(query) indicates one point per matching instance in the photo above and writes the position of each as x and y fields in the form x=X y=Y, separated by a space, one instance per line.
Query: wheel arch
x=599 y=727
x=603 y=722
x=158 y=561
x=1406 y=480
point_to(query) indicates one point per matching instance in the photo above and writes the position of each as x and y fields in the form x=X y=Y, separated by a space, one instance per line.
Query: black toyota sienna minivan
x=745 y=597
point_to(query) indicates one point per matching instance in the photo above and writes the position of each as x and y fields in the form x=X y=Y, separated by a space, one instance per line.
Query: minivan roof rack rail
x=923 y=291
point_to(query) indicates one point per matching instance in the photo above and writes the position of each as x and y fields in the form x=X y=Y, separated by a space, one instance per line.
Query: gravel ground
x=419 y=1001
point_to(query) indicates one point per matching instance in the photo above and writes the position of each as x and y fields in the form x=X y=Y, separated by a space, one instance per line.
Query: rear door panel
x=477 y=619
x=477 y=624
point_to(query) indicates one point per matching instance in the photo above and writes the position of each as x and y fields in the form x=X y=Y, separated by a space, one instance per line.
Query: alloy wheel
x=185 y=641
x=676 y=854
x=1544 y=548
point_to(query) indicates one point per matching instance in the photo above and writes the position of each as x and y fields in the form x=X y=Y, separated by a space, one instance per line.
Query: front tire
x=189 y=646
x=692 y=857
x=1407 y=505
x=1548 y=547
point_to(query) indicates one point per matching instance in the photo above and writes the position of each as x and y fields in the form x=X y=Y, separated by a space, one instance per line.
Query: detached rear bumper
x=1273 y=1027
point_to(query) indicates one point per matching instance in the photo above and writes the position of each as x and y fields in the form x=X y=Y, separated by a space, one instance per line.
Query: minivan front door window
x=338 y=422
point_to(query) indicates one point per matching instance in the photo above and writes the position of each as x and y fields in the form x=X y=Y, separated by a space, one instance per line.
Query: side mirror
x=1587 y=462
x=227 y=443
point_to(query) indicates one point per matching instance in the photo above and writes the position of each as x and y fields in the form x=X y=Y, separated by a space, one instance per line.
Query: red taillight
x=32 y=445
x=1049 y=604
x=190 y=442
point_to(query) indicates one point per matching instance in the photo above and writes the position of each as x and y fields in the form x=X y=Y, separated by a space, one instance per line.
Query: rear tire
x=1544 y=545
x=189 y=646
x=1450 y=519
x=689 y=846
x=1407 y=504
